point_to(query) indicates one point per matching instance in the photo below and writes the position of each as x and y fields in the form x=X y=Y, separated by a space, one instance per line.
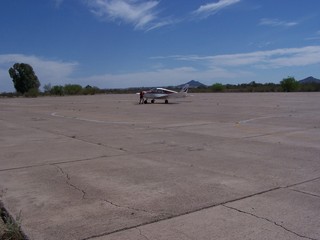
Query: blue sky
x=140 y=43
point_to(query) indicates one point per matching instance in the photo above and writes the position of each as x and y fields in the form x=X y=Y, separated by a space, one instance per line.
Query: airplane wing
x=167 y=91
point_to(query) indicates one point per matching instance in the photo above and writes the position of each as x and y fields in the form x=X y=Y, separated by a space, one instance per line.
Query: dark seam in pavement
x=56 y=163
x=300 y=183
x=72 y=137
x=277 y=132
x=198 y=210
x=158 y=220
x=270 y=221
x=179 y=215
x=78 y=139
x=182 y=126
x=80 y=160
x=259 y=135
x=24 y=167
x=97 y=144
x=310 y=194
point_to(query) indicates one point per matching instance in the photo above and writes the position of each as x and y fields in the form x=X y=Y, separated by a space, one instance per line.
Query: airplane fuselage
x=163 y=93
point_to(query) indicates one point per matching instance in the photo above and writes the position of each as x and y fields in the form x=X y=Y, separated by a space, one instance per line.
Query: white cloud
x=276 y=23
x=211 y=8
x=56 y=72
x=287 y=57
x=142 y=14
x=316 y=37
x=165 y=77
x=228 y=68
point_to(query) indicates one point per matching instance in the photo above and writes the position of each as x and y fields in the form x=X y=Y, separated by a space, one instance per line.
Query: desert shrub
x=33 y=93
x=10 y=229
x=88 y=90
x=289 y=84
x=57 y=90
x=72 y=89
x=217 y=87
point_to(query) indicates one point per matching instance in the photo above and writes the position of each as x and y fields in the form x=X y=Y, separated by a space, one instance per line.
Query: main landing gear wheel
x=152 y=101
x=145 y=101
x=166 y=101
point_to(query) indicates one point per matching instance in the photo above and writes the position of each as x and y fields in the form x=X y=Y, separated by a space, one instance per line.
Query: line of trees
x=289 y=84
x=27 y=83
x=70 y=89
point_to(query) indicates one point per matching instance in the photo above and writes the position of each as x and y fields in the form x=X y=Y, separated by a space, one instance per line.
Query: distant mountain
x=309 y=80
x=193 y=84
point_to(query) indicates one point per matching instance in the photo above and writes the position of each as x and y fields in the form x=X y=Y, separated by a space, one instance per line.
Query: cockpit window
x=154 y=90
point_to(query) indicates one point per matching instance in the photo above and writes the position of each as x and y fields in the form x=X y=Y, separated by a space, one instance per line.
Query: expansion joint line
x=306 y=193
x=270 y=221
x=211 y=206
x=300 y=183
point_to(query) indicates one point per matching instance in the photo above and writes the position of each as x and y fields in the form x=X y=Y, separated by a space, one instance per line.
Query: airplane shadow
x=158 y=103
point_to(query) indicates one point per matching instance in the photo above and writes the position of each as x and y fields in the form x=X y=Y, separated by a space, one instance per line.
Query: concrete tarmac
x=211 y=166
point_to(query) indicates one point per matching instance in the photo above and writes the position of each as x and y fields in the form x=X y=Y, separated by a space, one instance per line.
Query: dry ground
x=212 y=166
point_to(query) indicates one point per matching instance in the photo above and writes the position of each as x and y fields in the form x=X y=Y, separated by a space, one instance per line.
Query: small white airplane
x=163 y=93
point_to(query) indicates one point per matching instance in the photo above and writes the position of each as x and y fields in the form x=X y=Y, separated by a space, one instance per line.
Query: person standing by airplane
x=141 y=97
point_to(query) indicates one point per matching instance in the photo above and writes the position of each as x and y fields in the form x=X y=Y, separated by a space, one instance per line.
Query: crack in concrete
x=69 y=183
x=3 y=192
x=126 y=207
x=84 y=194
x=270 y=221
x=141 y=234
x=211 y=206
x=184 y=234
x=207 y=207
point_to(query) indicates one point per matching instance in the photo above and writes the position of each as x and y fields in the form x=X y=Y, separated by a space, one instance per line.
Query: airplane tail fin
x=183 y=93
x=185 y=89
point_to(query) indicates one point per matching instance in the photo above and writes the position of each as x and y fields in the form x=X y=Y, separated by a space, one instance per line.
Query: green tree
x=289 y=84
x=88 y=90
x=23 y=77
x=217 y=87
x=57 y=90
